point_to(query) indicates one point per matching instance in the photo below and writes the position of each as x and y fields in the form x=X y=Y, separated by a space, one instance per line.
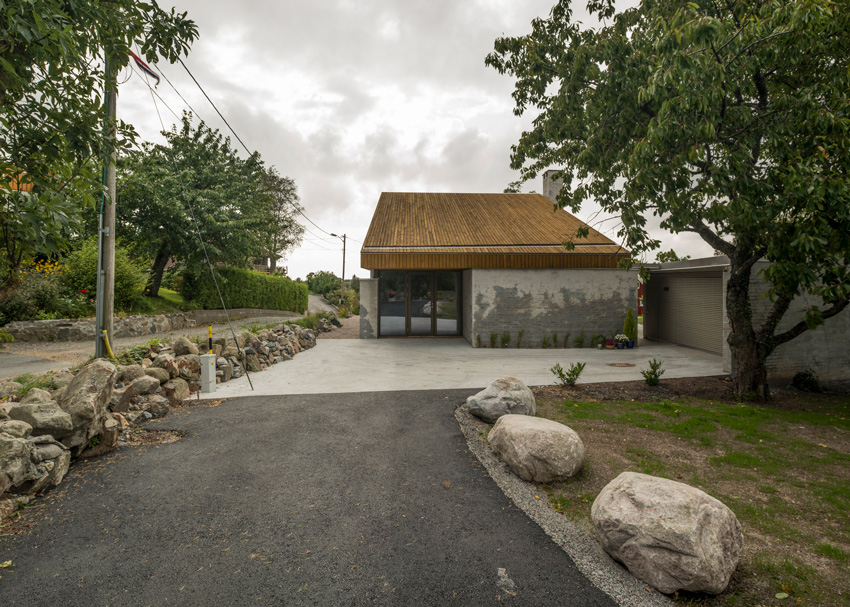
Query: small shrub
x=29 y=381
x=545 y=342
x=519 y=338
x=554 y=340
x=570 y=376
x=493 y=338
x=505 y=339
x=567 y=339
x=579 y=342
x=5 y=337
x=79 y=272
x=806 y=381
x=652 y=376
x=630 y=325
x=478 y=340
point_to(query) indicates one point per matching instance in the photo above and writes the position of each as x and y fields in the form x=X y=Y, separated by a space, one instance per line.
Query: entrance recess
x=419 y=304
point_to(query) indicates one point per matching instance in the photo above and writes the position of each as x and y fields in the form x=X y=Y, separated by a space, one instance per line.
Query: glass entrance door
x=419 y=304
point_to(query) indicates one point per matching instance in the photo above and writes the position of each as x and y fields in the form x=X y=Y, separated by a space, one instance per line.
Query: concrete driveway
x=351 y=499
x=359 y=365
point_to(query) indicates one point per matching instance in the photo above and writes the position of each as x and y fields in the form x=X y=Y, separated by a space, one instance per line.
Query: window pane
x=447 y=303
x=392 y=303
x=420 y=303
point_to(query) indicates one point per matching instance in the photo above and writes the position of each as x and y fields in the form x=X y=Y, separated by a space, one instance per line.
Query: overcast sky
x=354 y=97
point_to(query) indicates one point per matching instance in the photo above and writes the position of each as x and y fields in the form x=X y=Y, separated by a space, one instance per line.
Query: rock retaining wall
x=84 y=328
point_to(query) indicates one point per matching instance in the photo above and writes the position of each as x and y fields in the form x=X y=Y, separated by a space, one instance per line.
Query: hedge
x=244 y=289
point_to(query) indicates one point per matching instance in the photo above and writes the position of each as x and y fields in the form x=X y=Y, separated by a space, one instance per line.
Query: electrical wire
x=200 y=239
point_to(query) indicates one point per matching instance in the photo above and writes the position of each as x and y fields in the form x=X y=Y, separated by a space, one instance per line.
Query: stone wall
x=205 y=317
x=368 y=308
x=823 y=350
x=83 y=329
x=543 y=302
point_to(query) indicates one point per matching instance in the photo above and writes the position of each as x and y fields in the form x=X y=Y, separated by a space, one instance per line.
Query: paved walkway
x=355 y=365
x=352 y=499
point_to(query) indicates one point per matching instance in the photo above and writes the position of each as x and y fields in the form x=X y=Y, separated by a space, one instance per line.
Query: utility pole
x=342 y=238
x=106 y=232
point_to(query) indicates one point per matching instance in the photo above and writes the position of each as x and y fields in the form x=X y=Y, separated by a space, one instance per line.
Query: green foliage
x=478 y=340
x=570 y=376
x=322 y=282
x=493 y=338
x=579 y=341
x=652 y=376
x=630 y=326
x=567 y=339
x=354 y=284
x=729 y=122
x=667 y=256
x=29 y=381
x=505 y=339
x=519 y=338
x=5 y=337
x=80 y=274
x=806 y=381
x=51 y=108
x=244 y=289
x=546 y=343
x=196 y=187
x=350 y=301
x=312 y=321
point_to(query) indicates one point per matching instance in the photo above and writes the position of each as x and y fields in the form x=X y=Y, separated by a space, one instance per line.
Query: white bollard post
x=207 y=373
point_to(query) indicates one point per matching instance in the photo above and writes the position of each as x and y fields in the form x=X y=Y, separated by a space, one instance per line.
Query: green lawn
x=784 y=472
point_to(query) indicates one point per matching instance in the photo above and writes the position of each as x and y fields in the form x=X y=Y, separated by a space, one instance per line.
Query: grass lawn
x=168 y=302
x=783 y=468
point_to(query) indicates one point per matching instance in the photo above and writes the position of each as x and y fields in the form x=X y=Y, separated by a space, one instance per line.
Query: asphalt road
x=341 y=499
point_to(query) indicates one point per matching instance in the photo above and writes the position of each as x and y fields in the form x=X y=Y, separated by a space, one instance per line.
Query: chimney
x=551 y=186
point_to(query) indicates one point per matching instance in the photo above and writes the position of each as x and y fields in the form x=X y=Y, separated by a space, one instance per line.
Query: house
x=489 y=267
x=685 y=304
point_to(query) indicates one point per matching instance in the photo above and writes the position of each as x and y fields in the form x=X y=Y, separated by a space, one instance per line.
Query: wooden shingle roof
x=442 y=231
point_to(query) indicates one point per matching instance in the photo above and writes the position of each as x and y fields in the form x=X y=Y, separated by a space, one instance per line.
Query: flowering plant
x=621 y=338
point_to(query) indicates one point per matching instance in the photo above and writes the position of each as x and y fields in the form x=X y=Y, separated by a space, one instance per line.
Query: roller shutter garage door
x=685 y=308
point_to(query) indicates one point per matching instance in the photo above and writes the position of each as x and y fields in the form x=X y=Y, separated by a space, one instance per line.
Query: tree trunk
x=157 y=270
x=748 y=356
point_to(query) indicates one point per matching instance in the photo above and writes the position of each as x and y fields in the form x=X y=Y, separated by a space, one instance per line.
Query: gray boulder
x=160 y=375
x=86 y=400
x=61 y=379
x=140 y=387
x=37 y=395
x=44 y=418
x=128 y=373
x=537 y=449
x=176 y=391
x=188 y=367
x=668 y=534
x=505 y=396
x=17 y=462
x=165 y=361
x=15 y=428
x=183 y=346
x=155 y=404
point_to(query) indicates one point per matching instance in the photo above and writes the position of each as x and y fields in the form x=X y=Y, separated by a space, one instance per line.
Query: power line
x=215 y=108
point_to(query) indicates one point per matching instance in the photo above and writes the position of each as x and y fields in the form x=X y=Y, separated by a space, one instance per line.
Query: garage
x=685 y=307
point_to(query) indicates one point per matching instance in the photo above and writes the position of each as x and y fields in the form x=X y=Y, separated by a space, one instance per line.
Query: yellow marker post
x=210 y=341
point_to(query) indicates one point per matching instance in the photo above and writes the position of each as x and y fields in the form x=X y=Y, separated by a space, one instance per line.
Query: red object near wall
x=640 y=299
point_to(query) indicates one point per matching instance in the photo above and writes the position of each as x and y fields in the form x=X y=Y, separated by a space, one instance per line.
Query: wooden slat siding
x=455 y=261
x=489 y=250
x=420 y=219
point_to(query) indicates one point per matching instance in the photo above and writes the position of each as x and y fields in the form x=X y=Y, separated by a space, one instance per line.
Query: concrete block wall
x=543 y=302
x=823 y=350
x=466 y=302
x=368 y=308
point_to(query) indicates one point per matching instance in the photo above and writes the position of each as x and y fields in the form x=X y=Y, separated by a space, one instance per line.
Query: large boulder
x=183 y=346
x=17 y=462
x=160 y=375
x=9 y=388
x=36 y=395
x=164 y=360
x=176 y=391
x=127 y=373
x=155 y=404
x=141 y=386
x=537 y=449
x=45 y=418
x=107 y=440
x=188 y=367
x=86 y=399
x=668 y=534
x=15 y=428
x=505 y=396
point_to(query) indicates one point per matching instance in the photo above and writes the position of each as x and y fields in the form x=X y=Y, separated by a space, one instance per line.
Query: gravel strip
x=580 y=545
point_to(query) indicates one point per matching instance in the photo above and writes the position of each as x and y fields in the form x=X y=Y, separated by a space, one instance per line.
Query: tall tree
x=283 y=231
x=51 y=106
x=727 y=119
x=195 y=188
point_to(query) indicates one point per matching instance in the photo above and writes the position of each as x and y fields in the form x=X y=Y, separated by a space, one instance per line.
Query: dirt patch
x=134 y=437
x=350 y=329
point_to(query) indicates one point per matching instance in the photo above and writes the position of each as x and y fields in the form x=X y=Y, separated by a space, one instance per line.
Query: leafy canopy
x=730 y=120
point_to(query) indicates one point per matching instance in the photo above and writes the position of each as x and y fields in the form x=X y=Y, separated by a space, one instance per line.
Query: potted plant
x=609 y=344
x=622 y=339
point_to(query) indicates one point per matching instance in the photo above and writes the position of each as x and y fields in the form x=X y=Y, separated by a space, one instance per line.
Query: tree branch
x=713 y=239
x=801 y=326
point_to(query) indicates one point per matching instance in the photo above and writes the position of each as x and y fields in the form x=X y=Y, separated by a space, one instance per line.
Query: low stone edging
x=84 y=328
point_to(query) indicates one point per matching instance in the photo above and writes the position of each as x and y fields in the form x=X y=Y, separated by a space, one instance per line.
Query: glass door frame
x=434 y=312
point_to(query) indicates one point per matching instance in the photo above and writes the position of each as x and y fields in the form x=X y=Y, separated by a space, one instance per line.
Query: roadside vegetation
x=784 y=470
